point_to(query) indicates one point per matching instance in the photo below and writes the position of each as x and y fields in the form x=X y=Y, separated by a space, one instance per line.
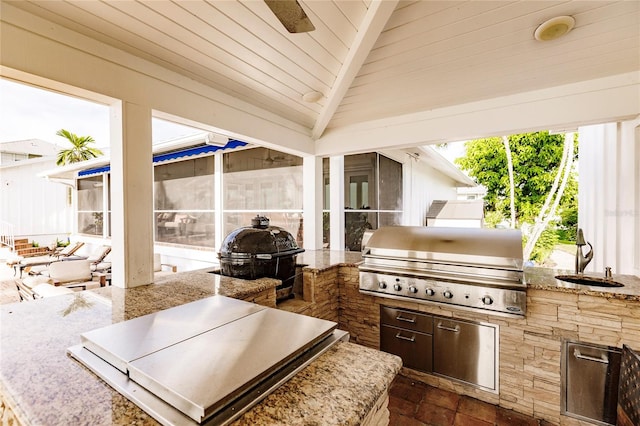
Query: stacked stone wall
x=529 y=348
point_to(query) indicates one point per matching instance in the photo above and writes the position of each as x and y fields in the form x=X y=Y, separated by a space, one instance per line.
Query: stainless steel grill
x=471 y=268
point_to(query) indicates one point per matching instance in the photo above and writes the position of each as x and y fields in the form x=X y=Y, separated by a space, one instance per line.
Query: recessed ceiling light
x=312 y=97
x=554 y=28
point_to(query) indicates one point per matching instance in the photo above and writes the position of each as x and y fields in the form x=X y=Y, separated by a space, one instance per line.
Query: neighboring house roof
x=437 y=161
x=456 y=209
x=35 y=147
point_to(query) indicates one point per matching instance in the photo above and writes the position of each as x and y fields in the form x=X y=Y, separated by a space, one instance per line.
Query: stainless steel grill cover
x=207 y=361
x=470 y=267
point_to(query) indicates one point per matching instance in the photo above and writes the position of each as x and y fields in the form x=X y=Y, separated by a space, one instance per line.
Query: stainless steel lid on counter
x=207 y=361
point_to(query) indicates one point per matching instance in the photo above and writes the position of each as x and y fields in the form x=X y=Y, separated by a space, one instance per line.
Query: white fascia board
x=440 y=163
x=112 y=73
x=608 y=99
x=70 y=171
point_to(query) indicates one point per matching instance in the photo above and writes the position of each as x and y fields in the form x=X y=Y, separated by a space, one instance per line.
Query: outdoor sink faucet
x=581 y=260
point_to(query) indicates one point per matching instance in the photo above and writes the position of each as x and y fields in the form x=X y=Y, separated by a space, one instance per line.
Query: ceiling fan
x=274 y=160
x=291 y=15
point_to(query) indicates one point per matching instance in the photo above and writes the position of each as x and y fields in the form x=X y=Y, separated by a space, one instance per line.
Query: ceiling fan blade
x=291 y=15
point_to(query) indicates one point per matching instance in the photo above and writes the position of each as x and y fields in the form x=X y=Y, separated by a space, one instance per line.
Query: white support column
x=219 y=198
x=336 y=202
x=629 y=178
x=106 y=226
x=312 y=202
x=408 y=213
x=131 y=195
x=608 y=195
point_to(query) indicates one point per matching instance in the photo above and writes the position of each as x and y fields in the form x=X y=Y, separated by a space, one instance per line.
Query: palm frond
x=80 y=150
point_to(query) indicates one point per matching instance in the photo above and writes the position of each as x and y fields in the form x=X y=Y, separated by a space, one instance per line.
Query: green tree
x=536 y=158
x=80 y=150
x=541 y=170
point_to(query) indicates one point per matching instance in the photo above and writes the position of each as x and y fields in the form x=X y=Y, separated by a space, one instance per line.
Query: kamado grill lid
x=260 y=240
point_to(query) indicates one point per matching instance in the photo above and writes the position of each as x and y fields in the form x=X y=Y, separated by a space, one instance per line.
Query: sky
x=27 y=112
x=451 y=150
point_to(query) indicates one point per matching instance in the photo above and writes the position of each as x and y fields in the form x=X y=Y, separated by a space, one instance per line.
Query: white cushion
x=48 y=290
x=32 y=281
x=71 y=270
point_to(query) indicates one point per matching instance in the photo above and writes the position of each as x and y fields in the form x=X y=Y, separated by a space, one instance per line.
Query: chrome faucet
x=581 y=260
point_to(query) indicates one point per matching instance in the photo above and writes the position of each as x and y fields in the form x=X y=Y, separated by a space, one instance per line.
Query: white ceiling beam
x=603 y=100
x=372 y=25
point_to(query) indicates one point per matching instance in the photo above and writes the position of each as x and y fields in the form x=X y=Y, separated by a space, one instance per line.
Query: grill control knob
x=487 y=300
x=447 y=294
x=430 y=292
x=413 y=289
x=382 y=285
x=397 y=287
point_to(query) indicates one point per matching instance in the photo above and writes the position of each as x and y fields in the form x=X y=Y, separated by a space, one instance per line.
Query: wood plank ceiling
x=369 y=59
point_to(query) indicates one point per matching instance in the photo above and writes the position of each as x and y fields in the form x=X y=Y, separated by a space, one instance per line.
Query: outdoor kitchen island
x=41 y=384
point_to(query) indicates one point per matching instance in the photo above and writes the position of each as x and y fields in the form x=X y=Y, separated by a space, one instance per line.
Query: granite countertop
x=43 y=385
x=319 y=260
x=544 y=279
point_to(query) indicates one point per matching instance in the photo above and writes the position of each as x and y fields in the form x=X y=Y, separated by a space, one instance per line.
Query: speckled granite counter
x=319 y=260
x=544 y=279
x=44 y=386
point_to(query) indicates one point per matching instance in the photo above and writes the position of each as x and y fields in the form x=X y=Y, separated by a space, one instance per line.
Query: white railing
x=7 y=237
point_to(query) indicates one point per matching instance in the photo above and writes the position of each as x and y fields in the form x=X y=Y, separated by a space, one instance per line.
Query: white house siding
x=38 y=209
x=424 y=184
x=609 y=195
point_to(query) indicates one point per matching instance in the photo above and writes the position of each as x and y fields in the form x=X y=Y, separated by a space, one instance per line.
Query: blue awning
x=175 y=155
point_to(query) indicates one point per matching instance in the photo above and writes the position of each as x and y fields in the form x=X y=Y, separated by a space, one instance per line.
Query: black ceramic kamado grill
x=260 y=251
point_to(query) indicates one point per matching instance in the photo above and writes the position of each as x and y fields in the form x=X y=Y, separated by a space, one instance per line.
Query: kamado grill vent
x=260 y=251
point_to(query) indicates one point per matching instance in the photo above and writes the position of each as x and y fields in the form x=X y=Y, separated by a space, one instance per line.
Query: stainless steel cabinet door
x=414 y=348
x=590 y=382
x=465 y=351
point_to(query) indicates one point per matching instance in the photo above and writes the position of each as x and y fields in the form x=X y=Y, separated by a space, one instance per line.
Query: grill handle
x=262 y=256
x=405 y=319
x=456 y=329
x=578 y=355
x=408 y=339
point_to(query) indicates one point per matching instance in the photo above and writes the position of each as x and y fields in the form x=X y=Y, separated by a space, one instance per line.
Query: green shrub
x=544 y=246
x=492 y=219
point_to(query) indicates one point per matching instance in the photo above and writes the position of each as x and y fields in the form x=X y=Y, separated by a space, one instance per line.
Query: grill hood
x=475 y=247
x=470 y=268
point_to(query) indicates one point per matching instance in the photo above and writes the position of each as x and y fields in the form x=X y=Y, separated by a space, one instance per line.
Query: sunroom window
x=90 y=205
x=265 y=182
x=184 y=200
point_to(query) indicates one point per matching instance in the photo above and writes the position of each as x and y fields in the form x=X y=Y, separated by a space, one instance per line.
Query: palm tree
x=80 y=151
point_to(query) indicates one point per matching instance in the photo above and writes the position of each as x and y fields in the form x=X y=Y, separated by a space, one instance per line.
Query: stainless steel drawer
x=410 y=320
x=414 y=348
